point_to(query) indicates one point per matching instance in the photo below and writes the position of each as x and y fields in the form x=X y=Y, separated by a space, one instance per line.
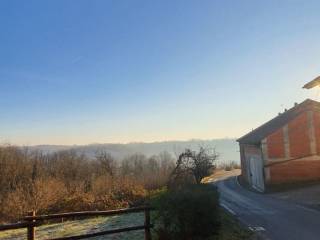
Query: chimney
x=295 y=104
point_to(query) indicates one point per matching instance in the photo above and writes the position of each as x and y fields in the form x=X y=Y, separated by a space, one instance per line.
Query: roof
x=255 y=136
x=315 y=82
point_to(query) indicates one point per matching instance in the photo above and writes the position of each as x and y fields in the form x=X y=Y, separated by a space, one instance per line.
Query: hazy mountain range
x=227 y=148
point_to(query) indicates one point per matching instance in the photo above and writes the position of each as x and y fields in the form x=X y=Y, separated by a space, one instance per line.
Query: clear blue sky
x=77 y=72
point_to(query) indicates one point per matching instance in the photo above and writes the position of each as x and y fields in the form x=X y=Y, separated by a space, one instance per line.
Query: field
x=79 y=227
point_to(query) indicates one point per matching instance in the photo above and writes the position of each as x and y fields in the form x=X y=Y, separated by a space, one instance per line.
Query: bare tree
x=106 y=162
x=195 y=164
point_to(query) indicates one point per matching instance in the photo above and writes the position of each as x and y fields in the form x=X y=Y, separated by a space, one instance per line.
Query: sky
x=80 y=72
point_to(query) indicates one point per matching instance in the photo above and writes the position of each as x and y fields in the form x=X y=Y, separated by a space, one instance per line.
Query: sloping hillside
x=227 y=148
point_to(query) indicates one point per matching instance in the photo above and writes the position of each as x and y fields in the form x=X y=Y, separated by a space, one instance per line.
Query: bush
x=190 y=212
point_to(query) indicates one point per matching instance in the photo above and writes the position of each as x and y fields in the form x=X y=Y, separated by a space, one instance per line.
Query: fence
x=32 y=220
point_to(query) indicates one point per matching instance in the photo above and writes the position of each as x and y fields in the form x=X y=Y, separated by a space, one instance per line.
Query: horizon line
x=118 y=143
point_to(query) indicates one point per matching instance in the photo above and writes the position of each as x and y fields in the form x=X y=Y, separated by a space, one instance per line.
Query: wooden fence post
x=31 y=229
x=147 y=224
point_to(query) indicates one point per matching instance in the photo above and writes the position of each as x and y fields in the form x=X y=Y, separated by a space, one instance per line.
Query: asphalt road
x=272 y=218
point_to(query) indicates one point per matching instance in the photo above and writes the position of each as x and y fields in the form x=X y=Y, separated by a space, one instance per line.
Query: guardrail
x=32 y=220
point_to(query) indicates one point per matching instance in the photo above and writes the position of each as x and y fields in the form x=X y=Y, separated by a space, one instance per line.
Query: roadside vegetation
x=190 y=210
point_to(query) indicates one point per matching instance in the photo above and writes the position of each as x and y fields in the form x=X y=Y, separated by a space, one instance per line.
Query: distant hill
x=227 y=148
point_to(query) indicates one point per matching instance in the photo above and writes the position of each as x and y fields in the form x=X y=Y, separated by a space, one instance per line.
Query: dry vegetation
x=66 y=181
x=230 y=166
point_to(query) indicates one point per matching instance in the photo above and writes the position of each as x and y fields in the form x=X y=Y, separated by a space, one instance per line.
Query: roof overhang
x=315 y=82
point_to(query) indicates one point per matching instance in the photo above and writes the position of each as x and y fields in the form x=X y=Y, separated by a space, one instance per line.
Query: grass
x=79 y=227
x=232 y=229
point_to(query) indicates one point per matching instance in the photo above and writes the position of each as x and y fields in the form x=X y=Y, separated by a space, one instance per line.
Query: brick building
x=284 y=150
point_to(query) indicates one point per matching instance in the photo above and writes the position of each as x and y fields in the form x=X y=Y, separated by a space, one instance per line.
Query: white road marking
x=228 y=209
x=257 y=229
x=260 y=229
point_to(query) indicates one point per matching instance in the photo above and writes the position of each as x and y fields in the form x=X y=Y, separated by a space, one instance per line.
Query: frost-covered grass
x=231 y=229
x=78 y=227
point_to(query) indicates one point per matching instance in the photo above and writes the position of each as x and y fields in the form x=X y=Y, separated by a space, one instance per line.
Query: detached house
x=284 y=150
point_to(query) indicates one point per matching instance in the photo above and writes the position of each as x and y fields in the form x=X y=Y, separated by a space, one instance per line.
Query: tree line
x=69 y=181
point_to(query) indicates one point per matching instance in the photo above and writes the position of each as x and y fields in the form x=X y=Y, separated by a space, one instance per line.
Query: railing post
x=147 y=224
x=31 y=229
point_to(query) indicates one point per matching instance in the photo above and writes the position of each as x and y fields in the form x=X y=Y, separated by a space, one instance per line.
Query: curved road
x=272 y=218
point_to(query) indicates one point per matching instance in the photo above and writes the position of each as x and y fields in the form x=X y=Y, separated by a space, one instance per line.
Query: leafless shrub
x=193 y=166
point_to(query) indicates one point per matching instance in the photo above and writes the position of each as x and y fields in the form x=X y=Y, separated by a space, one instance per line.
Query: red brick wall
x=275 y=145
x=299 y=136
x=293 y=171
x=316 y=123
